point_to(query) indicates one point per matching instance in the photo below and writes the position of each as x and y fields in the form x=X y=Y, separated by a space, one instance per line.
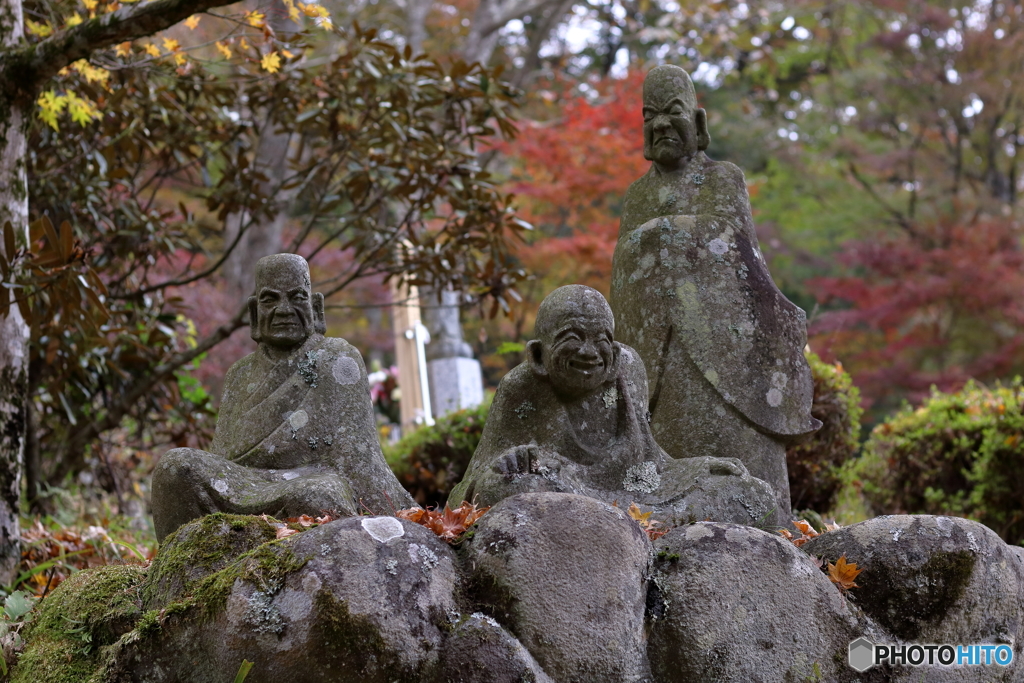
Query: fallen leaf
x=224 y=50
x=842 y=573
x=271 y=62
x=650 y=526
x=192 y=21
x=284 y=532
x=448 y=524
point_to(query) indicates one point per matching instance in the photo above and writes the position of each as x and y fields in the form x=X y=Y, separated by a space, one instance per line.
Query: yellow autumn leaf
x=171 y=45
x=41 y=30
x=50 y=106
x=153 y=50
x=74 y=20
x=254 y=18
x=635 y=513
x=192 y=21
x=271 y=62
x=842 y=573
x=124 y=49
x=180 y=58
x=326 y=24
x=82 y=109
x=93 y=74
x=314 y=10
x=90 y=4
x=223 y=49
x=242 y=44
x=288 y=53
x=293 y=13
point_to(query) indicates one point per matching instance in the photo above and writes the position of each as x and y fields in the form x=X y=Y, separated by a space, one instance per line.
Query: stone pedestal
x=455 y=383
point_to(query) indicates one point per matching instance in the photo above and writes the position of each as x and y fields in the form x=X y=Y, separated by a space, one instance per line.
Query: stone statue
x=573 y=419
x=296 y=433
x=691 y=293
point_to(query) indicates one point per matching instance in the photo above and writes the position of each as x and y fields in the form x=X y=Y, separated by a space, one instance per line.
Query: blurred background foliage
x=882 y=143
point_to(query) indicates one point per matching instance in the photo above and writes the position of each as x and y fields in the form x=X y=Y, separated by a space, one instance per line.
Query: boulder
x=929 y=579
x=479 y=650
x=734 y=603
x=567 y=575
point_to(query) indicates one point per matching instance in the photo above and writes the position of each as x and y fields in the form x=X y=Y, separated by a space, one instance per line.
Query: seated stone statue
x=573 y=418
x=296 y=433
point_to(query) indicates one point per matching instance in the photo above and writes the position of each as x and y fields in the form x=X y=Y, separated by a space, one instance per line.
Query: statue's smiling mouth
x=586 y=366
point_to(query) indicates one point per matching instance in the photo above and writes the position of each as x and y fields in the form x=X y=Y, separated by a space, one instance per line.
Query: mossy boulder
x=77 y=631
x=933 y=579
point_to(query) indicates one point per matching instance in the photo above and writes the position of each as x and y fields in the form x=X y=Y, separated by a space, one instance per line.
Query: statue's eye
x=649 y=114
x=676 y=110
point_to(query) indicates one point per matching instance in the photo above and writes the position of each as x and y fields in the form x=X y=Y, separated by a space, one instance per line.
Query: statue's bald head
x=282 y=268
x=675 y=128
x=666 y=81
x=284 y=311
x=574 y=349
x=571 y=301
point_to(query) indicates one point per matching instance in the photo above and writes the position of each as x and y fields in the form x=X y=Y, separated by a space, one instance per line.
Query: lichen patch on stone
x=642 y=477
x=383 y=529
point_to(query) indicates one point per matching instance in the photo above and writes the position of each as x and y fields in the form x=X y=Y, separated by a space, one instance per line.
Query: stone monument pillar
x=454 y=375
x=410 y=339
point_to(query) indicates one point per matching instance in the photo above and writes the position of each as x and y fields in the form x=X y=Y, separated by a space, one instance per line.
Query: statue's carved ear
x=254 y=325
x=319 y=321
x=703 y=136
x=535 y=357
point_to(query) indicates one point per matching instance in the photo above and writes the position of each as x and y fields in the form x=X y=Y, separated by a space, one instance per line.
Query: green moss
x=78 y=625
x=266 y=566
x=197 y=550
x=351 y=642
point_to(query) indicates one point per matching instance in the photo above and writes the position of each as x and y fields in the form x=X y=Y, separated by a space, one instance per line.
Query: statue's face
x=284 y=310
x=670 y=127
x=580 y=354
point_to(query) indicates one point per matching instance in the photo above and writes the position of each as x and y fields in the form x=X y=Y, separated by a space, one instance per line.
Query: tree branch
x=23 y=70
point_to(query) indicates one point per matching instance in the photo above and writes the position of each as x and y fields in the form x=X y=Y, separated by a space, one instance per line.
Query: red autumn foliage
x=935 y=307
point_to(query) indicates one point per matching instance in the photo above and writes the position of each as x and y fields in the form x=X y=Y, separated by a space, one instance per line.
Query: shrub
x=814 y=464
x=958 y=454
x=430 y=461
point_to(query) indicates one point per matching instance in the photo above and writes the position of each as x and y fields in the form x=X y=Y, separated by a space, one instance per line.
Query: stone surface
x=455 y=383
x=295 y=433
x=573 y=419
x=722 y=346
x=733 y=603
x=932 y=579
x=567 y=575
x=479 y=650
x=339 y=605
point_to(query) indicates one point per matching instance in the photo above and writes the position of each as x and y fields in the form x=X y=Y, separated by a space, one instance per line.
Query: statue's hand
x=727 y=466
x=517 y=460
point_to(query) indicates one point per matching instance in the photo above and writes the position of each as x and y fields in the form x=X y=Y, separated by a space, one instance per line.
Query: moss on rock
x=199 y=549
x=79 y=624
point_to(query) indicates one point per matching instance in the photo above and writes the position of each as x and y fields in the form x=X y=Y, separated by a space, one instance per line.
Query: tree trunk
x=14 y=333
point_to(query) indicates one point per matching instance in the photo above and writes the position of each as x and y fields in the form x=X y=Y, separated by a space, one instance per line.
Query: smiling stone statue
x=296 y=433
x=573 y=419
x=692 y=293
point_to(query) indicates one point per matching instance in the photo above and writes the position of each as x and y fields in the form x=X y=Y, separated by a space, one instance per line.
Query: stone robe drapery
x=296 y=436
x=630 y=468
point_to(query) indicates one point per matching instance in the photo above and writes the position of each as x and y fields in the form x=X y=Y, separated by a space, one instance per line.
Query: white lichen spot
x=697 y=532
x=392 y=567
x=298 y=419
x=220 y=486
x=288 y=476
x=610 y=397
x=271 y=448
x=383 y=529
x=429 y=558
x=345 y=370
x=718 y=246
x=780 y=380
x=896 y=533
x=642 y=477
x=774 y=397
x=251 y=387
x=972 y=542
x=719 y=410
x=711 y=375
x=486 y=619
x=325 y=549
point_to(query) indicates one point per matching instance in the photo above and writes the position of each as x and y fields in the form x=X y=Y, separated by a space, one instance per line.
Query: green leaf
x=17 y=605
x=243 y=671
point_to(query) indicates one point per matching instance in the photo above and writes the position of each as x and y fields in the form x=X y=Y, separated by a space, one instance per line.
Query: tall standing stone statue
x=296 y=433
x=691 y=292
x=456 y=381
